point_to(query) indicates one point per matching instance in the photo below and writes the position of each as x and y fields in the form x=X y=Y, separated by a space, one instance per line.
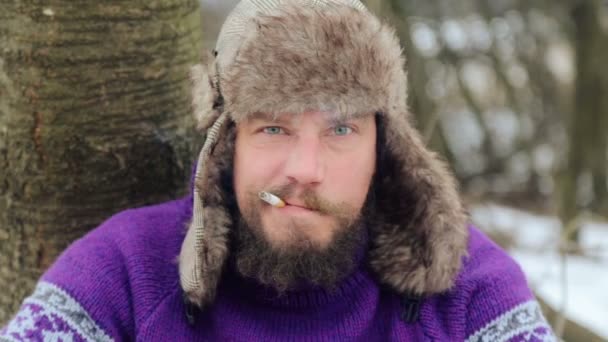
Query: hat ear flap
x=207 y=101
x=205 y=247
x=419 y=229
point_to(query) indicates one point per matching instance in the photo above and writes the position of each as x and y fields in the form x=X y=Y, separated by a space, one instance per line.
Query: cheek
x=350 y=178
x=244 y=172
x=251 y=169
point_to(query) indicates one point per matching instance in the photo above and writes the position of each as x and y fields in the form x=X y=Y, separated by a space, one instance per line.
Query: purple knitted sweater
x=120 y=282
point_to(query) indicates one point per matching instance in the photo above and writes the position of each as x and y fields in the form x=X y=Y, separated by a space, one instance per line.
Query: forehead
x=326 y=117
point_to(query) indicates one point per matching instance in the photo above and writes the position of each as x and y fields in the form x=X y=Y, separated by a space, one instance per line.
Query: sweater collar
x=306 y=296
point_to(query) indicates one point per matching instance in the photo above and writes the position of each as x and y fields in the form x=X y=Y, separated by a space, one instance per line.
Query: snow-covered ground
x=536 y=239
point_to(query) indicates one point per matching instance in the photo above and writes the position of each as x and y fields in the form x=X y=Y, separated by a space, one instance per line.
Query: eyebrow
x=285 y=118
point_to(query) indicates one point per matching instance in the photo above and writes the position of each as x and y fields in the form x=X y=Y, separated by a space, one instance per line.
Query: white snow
x=536 y=249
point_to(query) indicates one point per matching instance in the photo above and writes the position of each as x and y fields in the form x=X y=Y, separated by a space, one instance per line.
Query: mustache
x=311 y=200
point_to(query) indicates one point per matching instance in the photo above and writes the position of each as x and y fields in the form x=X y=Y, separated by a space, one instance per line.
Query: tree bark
x=424 y=110
x=94 y=118
x=588 y=121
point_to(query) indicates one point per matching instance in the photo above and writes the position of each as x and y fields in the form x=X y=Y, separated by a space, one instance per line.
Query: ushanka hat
x=294 y=56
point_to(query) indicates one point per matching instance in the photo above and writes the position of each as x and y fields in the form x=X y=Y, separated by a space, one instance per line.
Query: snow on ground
x=536 y=239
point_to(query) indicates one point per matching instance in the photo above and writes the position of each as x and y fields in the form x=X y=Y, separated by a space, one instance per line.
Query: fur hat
x=293 y=56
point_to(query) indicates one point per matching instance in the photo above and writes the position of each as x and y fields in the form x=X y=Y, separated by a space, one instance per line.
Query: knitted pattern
x=50 y=314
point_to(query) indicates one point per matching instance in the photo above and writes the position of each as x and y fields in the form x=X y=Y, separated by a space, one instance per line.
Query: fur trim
x=206 y=99
x=336 y=59
x=345 y=61
x=420 y=233
x=205 y=247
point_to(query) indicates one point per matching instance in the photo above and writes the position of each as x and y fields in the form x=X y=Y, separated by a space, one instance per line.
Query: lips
x=298 y=206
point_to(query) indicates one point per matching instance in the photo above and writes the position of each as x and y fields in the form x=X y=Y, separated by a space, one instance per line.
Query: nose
x=304 y=164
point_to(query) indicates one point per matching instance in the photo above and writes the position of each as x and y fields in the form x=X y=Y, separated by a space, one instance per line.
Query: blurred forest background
x=513 y=93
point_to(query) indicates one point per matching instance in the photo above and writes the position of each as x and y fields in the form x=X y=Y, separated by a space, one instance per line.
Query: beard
x=284 y=267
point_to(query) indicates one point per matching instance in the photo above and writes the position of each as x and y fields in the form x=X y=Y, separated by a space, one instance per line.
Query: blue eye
x=273 y=130
x=342 y=130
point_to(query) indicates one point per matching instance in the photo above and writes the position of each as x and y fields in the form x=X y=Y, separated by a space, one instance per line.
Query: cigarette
x=271 y=199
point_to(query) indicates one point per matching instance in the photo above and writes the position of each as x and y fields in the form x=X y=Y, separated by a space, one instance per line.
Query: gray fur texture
x=346 y=61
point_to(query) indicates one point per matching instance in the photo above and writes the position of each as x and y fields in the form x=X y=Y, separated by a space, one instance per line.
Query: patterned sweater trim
x=51 y=314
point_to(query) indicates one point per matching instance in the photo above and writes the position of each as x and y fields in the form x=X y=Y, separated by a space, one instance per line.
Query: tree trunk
x=94 y=118
x=422 y=107
x=588 y=122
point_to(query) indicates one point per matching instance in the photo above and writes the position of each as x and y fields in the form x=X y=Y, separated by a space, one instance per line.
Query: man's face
x=320 y=166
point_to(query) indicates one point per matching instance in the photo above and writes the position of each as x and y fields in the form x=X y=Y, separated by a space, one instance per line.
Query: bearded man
x=317 y=213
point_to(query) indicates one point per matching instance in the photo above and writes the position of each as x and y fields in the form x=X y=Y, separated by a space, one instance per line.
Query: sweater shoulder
x=489 y=301
x=140 y=238
x=494 y=294
x=486 y=262
x=490 y=278
x=122 y=269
